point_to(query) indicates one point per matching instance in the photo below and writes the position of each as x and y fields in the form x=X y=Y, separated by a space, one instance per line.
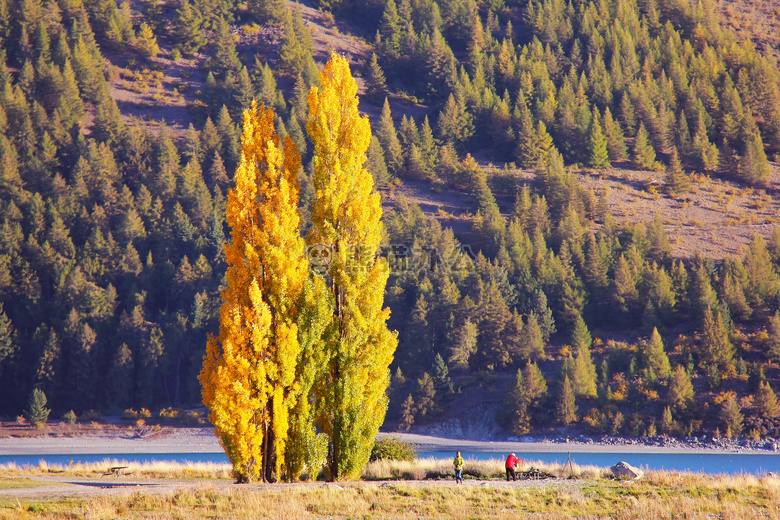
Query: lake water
x=711 y=463
x=717 y=463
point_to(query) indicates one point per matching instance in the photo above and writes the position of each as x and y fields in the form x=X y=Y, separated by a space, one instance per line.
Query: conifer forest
x=118 y=250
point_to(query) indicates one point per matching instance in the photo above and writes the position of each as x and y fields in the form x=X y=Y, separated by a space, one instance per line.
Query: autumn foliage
x=346 y=214
x=286 y=342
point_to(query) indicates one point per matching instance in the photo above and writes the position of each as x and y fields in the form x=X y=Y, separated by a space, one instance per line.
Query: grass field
x=203 y=491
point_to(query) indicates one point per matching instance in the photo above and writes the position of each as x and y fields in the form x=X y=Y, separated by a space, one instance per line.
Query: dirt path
x=57 y=488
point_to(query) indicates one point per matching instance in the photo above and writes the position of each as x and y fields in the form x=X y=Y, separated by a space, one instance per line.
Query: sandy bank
x=584 y=444
x=166 y=440
x=202 y=440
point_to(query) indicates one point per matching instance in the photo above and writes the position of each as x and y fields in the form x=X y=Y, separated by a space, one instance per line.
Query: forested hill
x=111 y=256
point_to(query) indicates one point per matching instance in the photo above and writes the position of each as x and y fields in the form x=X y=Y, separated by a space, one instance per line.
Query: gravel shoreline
x=202 y=440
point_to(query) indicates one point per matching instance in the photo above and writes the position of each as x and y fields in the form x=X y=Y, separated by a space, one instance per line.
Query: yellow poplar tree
x=346 y=213
x=249 y=371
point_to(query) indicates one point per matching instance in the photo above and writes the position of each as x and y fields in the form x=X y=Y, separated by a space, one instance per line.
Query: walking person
x=511 y=462
x=458 y=464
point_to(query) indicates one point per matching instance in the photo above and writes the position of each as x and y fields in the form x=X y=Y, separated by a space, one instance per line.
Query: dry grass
x=579 y=491
x=430 y=468
x=660 y=495
x=173 y=470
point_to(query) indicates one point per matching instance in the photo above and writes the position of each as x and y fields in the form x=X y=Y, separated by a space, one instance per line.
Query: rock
x=626 y=470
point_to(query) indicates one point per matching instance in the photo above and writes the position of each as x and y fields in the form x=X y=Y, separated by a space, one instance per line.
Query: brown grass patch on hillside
x=716 y=218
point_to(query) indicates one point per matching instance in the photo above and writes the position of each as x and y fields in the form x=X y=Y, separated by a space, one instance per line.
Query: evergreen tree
x=717 y=350
x=188 y=28
x=146 y=42
x=566 y=409
x=441 y=377
x=655 y=358
x=765 y=402
x=376 y=84
x=407 y=414
x=8 y=344
x=763 y=281
x=267 y=11
x=464 y=345
x=598 y=156
x=533 y=338
x=375 y=163
x=36 y=411
x=346 y=214
x=730 y=415
x=643 y=152
x=753 y=166
x=616 y=143
x=677 y=183
x=225 y=59
x=388 y=138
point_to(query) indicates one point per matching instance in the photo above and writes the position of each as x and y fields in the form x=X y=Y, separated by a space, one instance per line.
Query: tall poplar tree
x=346 y=213
x=249 y=371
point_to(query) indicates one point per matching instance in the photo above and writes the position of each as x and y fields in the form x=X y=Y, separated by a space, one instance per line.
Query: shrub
x=393 y=448
x=70 y=417
x=169 y=414
x=91 y=415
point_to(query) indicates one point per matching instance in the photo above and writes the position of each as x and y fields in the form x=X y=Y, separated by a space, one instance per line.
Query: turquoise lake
x=715 y=463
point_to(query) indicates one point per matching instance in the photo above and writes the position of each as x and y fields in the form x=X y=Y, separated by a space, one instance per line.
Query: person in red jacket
x=511 y=462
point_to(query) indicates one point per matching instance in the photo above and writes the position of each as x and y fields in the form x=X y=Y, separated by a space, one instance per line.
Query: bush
x=393 y=448
x=91 y=415
x=169 y=414
x=70 y=417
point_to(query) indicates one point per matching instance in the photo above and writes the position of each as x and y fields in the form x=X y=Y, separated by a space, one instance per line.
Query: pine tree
x=763 y=281
x=407 y=414
x=566 y=409
x=624 y=290
x=717 y=350
x=677 y=183
x=730 y=415
x=464 y=344
x=655 y=358
x=773 y=331
x=584 y=373
x=598 y=156
x=616 y=142
x=146 y=42
x=765 y=402
x=267 y=11
x=36 y=411
x=388 y=138
x=643 y=153
x=533 y=338
x=753 y=166
x=667 y=421
x=346 y=214
x=188 y=28
x=249 y=371
x=376 y=164
x=225 y=59
x=8 y=344
x=441 y=376
x=376 y=84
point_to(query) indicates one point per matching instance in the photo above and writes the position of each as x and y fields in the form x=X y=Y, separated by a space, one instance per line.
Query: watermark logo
x=401 y=258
